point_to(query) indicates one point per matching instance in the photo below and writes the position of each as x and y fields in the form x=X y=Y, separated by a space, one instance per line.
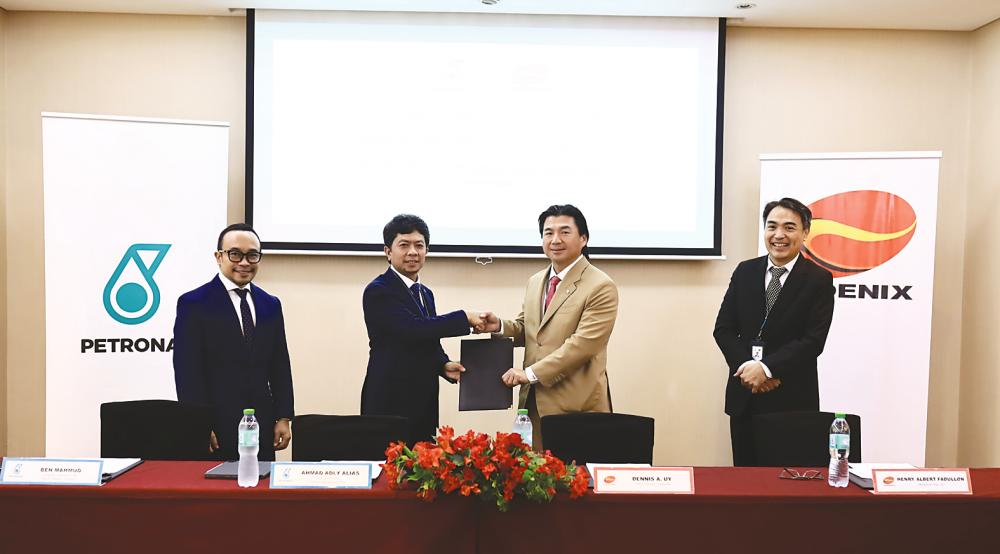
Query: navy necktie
x=245 y=314
x=415 y=293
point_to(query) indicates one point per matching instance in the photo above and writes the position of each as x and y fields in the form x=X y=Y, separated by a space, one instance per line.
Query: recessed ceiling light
x=742 y=6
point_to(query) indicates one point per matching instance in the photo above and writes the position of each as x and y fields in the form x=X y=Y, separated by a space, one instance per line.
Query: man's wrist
x=532 y=378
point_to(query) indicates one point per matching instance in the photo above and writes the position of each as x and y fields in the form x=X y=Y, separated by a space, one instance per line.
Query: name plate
x=921 y=481
x=51 y=471
x=321 y=475
x=643 y=480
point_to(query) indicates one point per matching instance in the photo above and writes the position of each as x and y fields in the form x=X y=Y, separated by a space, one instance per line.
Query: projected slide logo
x=131 y=296
x=859 y=230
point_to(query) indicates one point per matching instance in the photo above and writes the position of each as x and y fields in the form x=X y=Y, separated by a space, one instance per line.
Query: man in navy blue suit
x=230 y=351
x=404 y=332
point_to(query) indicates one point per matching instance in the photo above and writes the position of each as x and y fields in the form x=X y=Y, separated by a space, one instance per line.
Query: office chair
x=353 y=437
x=800 y=439
x=155 y=430
x=591 y=437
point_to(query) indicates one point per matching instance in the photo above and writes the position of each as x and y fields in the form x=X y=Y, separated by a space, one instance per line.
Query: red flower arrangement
x=496 y=469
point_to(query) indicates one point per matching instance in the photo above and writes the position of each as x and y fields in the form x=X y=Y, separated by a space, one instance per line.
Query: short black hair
x=404 y=224
x=805 y=214
x=556 y=210
x=235 y=227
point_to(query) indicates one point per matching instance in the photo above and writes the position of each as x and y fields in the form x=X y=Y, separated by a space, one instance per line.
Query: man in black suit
x=404 y=334
x=772 y=326
x=230 y=351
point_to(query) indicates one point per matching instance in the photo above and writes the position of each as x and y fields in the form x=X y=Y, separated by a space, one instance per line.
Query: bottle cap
x=840 y=415
x=522 y=411
x=248 y=411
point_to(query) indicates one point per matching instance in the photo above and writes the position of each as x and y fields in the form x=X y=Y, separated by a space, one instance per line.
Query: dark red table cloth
x=170 y=507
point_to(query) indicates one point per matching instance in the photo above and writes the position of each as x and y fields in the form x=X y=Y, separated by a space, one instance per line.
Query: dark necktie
x=245 y=314
x=415 y=293
x=774 y=287
x=549 y=294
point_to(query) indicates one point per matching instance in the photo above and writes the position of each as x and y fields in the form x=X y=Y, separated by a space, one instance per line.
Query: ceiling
x=943 y=15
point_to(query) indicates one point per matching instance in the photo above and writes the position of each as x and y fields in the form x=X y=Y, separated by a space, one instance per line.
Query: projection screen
x=478 y=122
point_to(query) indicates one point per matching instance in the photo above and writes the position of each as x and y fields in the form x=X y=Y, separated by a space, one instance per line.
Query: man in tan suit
x=566 y=320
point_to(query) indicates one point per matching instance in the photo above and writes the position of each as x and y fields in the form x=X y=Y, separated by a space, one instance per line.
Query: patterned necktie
x=773 y=288
x=551 y=292
x=245 y=314
x=415 y=293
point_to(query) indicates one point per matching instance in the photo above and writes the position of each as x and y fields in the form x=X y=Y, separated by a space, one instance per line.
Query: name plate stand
x=921 y=481
x=321 y=475
x=643 y=480
x=51 y=471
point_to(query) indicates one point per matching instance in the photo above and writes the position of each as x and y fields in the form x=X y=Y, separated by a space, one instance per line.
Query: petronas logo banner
x=133 y=209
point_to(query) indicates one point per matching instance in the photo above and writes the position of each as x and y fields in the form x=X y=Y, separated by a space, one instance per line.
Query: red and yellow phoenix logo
x=858 y=230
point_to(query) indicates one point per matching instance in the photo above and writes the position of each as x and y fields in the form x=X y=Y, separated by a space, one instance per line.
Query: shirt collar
x=562 y=274
x=787 y=266
x=229 y=284
x=406 y=280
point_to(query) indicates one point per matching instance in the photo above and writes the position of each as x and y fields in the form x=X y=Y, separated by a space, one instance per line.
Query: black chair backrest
x=800 y=439
x=354 y=437
x=599 y=438
x=155 y=430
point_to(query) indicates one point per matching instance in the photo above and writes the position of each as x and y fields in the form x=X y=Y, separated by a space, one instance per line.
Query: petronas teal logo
x=131 y=295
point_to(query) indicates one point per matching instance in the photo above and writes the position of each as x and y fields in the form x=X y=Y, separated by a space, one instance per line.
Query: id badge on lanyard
x=757 y=349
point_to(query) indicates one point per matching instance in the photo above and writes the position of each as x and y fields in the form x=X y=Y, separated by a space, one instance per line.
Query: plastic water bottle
x=840 y=448
x=522 y=426
x=248 y=444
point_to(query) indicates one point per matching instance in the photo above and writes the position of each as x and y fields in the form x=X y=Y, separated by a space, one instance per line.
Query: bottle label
x=249 y=437
x=840 y=441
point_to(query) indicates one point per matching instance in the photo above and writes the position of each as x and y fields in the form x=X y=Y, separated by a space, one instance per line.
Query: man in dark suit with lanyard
x=230 y=351
x=404 y=332
x=772 y=326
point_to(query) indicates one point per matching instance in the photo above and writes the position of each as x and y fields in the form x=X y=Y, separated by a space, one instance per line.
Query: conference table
x=171 y=507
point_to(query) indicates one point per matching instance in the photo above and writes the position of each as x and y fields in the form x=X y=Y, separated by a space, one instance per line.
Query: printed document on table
x=861 y=474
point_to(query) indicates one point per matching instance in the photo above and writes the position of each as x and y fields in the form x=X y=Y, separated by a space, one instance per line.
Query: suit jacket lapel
x=429 y=299
x=400 y=289
x=758 y=299
x=565 y=290
x=532 y=304
x=224 y=303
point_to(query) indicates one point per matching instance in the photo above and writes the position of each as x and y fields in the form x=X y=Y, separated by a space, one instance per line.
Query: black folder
x=230 y=470
x=485 y=361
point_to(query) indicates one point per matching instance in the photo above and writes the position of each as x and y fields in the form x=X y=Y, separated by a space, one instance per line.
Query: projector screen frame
x=491 y=251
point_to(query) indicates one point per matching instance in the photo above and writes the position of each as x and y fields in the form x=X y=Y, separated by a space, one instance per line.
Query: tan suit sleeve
x=589 y=338
x=514 y=328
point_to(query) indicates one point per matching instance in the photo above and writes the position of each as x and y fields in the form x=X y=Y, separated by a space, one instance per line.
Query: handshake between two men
x=405 y=327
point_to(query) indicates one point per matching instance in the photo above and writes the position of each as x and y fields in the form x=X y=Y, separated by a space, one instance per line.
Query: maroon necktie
x=553 y=283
